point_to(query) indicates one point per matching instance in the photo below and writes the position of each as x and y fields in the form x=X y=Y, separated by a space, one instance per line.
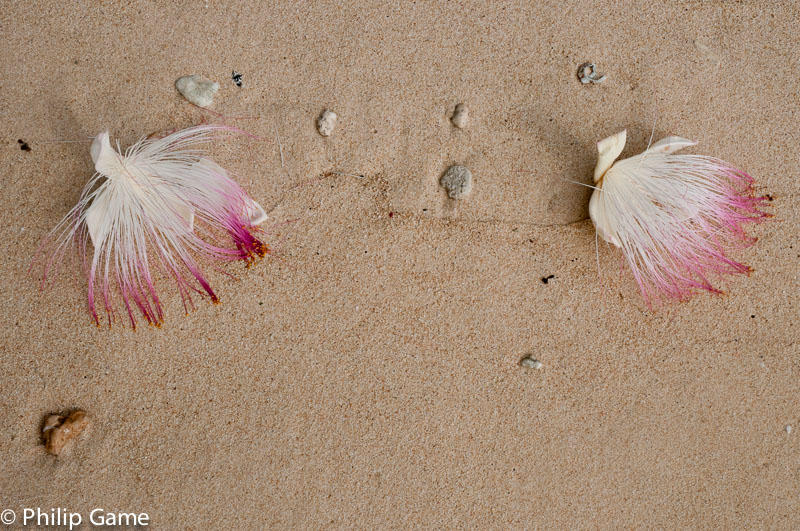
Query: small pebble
x=529 y=363
x=789 y=429
x=587 y=73
x=460 y=117
x=197 y=89
x=59 y=430
x=326 y=122
x=23 y=145
x=457 y=180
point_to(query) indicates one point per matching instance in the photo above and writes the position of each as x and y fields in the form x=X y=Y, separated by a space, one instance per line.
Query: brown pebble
x=59 y=430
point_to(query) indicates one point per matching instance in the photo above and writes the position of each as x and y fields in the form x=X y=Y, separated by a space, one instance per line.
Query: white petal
x=186 y=212
x=105 y=157
x=608 y=150
x=253 y=210
x=179 y=207
x=256 y=213
x=599 y=217
x=99 y=144
x=96 y=219
x=212 y=166
x=671 y=144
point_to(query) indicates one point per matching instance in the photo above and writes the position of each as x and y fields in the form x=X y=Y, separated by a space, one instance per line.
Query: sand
x=367 y=373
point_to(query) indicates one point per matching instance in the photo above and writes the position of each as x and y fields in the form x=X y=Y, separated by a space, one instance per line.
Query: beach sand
x=366 y=374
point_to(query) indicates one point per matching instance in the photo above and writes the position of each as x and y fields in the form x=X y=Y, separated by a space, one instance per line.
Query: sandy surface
x=366 y=374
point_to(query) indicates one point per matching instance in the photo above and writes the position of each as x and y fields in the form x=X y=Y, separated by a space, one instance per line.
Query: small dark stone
x=23 y=145
x=237 y=78
x=546 y=279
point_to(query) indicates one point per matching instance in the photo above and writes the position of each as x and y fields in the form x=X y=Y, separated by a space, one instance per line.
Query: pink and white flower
x=160 y=205
x=673 y=216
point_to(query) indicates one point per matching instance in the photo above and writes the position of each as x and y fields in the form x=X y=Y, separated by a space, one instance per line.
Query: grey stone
x=326 y=122
x=457 y=180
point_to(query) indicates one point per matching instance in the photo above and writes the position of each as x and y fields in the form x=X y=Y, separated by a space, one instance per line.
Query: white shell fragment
x=460 y=116
x=587 y=73
x=326 y=122
x=530 y=363
x=197 y=89
x=457 y=180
